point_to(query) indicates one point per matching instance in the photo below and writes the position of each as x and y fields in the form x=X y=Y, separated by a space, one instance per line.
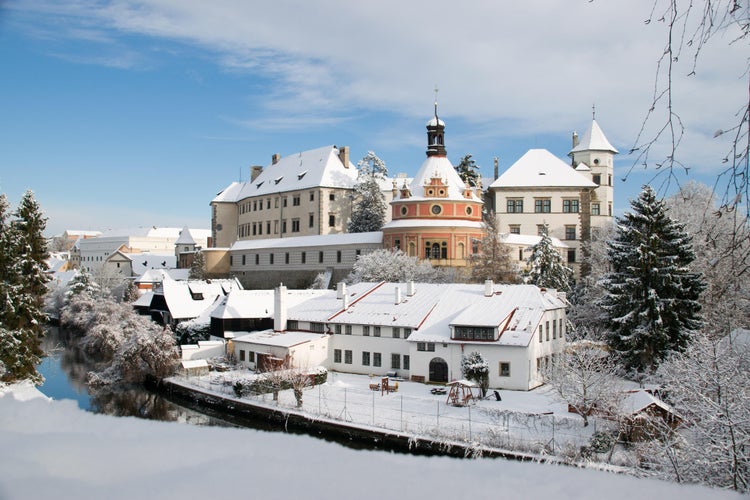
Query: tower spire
x=436 y=101
x=593 y=111
x=435 y=133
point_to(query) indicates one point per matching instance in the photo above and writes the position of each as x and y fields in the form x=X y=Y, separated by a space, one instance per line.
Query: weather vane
x=436 y=94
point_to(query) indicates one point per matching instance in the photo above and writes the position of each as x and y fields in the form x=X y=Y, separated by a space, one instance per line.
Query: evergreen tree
x=23 y=267
x=468 y=171
x=369 y=208
x=546 y=266
x=198 y=267
x=131 y=293
x=474 y=367
x=493 y=261
x=82 y=283
x=651 y=299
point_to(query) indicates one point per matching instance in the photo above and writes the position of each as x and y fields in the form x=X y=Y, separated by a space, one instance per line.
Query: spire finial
x=593 y=111
x=436 y=94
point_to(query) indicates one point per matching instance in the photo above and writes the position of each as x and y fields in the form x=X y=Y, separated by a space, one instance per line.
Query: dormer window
x=277 y=180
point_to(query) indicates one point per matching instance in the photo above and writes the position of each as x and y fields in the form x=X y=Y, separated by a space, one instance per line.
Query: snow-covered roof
x=529 y=240
x=593 y=140
x=144 y=300
x=435 y=121
x=433 y=308
x=637 y=401
x=320 y=167
x=185 y=237
x=372 y=238
x=61 y=278
x=142 y=262
x=79 y=233
x=156 y=275
x=154 y=232
x=275 y=339
x=441 y=167
x=189 y=299
x=259 y=303
x=539 y=168
x=229 y=194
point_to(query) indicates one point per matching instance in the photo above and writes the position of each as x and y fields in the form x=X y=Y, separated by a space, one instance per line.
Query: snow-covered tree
x=721 y=240
x=23 y=278
x=651 y=300
x=584 y=376
x=394 y=266
x=468 y=171
x=131 y=293
x=474 y=367
x=111 y=280
x=708 y=386
x=493 y=260
x=82 y=283
x=368 y=205
x=546 y=268
x=198 y=266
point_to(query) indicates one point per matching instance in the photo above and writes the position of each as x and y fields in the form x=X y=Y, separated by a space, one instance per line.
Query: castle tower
x=594 y=155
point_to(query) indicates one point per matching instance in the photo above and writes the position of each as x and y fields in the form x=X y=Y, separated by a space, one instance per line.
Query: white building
x=420 y=331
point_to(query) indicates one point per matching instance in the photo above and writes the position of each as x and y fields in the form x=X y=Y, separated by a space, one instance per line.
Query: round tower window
x=469 y=211
x=403 y=210
x=436 y=209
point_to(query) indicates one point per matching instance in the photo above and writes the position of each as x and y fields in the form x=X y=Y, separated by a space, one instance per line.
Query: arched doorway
x=438 y=370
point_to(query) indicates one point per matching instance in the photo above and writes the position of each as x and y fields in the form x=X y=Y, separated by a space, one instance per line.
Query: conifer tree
x=82 y=283
x=23 y=268
x=198 y=267
x=368 y=204
x=468 y=171
x=651 y=299
x=493 y=261
x=546 y=266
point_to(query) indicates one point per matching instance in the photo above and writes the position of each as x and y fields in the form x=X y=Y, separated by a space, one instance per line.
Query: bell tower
x=436 y=134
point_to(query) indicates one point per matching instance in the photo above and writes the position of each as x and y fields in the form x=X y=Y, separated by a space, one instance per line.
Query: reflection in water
x=65 y=368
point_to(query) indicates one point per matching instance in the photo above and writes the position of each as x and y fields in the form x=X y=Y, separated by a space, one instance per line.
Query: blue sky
x=136 y=113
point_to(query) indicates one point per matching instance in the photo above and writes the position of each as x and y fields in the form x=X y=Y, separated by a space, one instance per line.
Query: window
x=542 y=205
x=268 y=204
x=295 y=225
x=539 y=229
x=570 y=232
x=243 y=259
x=268 y=227
x=311 y=219
x=270 y=259
x=407 y=332
x=426 y=346
x=283 y=226
x=561 y=327
x=396 y=333
x=292 y=324
x=407 y=362
x=312 y=195
x=338 y=256
x=570 y=206
x=365 y=358
x=554 y=329
x=473 y=333
x=597 y=179
x=295 y=200
x=514 y=229
x=251 y=356
x=331 y=197
x=365 y=330
x=540 y=333
x=260 y=228
x=504 y=369
x=317 y=327
x=276 y=202
x=255 y=205
x=376 y=359
x=255 y=229
x=397 y=244
x=347 y=329
x=337 y=329
x=320 y=256
x=515 y=206
x=571 y=256
x=609 y=209
x=376 y=331
x=286 y=258
x=610 y=180
x=337 y=355
x=303 y=257
x=348 y=357
x=331 y=220
x=395 y=361
x=242 y=355
x=275 y=227
x=257 y=259
x=546 y=330
x=595 y=210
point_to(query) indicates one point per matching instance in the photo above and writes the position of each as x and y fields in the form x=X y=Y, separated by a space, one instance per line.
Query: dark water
x=64 y=371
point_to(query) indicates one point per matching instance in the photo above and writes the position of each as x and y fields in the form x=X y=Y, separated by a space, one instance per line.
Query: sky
x=53 y=449
x=129 y=113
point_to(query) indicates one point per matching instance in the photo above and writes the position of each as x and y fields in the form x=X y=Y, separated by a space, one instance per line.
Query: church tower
x=437 y=217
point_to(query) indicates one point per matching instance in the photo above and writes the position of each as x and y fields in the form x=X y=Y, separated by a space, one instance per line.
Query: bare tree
x=692 y=26
x=493 y=260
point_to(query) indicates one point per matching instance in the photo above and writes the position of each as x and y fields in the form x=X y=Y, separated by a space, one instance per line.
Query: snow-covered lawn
x=536 y=421
x=52 y=449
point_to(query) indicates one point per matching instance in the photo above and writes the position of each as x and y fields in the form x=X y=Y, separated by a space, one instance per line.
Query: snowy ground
x=52 y=449
x=535 y=421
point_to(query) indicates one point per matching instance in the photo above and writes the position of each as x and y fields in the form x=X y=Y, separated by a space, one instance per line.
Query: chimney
x=346 y=301
x=410 y=290
x=497 y=164
x=341 y=290
x=279 y=308
x=255 y=171
x=344 y=155
x=575 y=139
x=489 y=288
x=275 y=158
x=398 y=295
